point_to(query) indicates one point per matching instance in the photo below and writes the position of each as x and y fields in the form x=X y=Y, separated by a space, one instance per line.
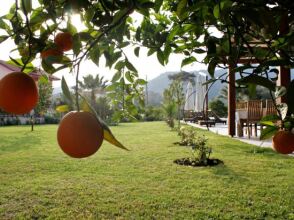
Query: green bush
x=153 y=114
x=218 y=107
x=51 y=119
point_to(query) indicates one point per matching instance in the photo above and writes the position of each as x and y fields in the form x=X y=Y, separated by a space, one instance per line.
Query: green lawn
x=37 y=180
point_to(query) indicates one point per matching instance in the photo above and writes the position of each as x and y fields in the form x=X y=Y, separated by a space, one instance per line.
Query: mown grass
x=38 y=181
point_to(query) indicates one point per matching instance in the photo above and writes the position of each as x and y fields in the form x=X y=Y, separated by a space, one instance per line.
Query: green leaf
x=116 y=76
x=199 y=50
x=167 y=51
x=270 y=118
x=26 y=6
x=3 y=38
x=241 y=68
x=267 y=123
x=158 y=4
x=18 y=63
x=119 y=65
x=280 y=91
x=66 y=91
x=47 y=67
x=38 y=17
x=62 y=108
x=257 y=80
x=151 y=51
x=268 y=132
x=138 y=34
x=77 y=45
x=147 y=5
x=130 y=66
x=89 y=14
x=276 y=63
x=188 y=60
x=71 y=28
x=85 y=105
x=211 y=45
x=119 y=16
x=136 y=51
x=108 y=136
x=216 y=11
x=160 y=57
x=85 y=36
x=252 y=90
x=112 y=87
x=181 y=8
x=129 y=77
x=211 y=67
x=95 y=54
x=283 y=107
x=141 y=82
x=173 y=33
x=3 y=25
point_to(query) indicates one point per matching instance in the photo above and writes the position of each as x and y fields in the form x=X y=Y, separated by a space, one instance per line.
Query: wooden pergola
x=284 y=79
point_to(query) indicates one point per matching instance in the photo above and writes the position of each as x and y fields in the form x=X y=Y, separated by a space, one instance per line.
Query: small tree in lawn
x=169 y=107
x=45 y=97
x=178 y=95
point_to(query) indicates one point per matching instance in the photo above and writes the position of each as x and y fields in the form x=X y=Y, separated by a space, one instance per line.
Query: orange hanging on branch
x=283 y=142
x=79 y=134
x=18 y=93
x=64 y=41
x=52 y=55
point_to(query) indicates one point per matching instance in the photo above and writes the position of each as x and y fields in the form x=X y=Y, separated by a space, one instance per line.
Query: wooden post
x=283 y=80
x=206 y=97
x=285 y=73
x=231 y=103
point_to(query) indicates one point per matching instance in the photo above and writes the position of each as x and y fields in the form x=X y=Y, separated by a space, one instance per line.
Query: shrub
x=201 y=152
x=153 y=114
x=51 y=119
x=218 y=107
x=188 y=134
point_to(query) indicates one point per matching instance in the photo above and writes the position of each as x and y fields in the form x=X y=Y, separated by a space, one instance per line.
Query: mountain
x=157 y=85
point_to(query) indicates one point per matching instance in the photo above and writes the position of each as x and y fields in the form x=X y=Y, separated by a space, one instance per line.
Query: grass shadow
x=17 y=143
x=225 y=172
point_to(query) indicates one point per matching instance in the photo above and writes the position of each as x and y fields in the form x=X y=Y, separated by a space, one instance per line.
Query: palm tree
x=94 y=85
x=241 y=94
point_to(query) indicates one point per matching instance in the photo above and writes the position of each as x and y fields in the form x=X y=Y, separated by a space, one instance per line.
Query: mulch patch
x=187 y=161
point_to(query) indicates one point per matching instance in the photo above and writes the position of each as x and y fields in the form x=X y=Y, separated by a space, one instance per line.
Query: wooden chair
x=254 y=110
x=270 y=108
x=188 y=115
x=198 y=116
x=215 y=117
x=241 y=105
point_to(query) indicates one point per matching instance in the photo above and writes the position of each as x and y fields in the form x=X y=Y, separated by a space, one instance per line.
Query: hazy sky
x=146 y=66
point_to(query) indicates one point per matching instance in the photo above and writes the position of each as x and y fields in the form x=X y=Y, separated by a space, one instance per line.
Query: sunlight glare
x=76 y=21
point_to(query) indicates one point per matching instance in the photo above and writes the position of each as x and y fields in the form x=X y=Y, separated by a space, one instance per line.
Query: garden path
x=223 y=130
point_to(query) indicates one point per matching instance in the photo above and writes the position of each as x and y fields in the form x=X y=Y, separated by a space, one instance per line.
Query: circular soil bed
x=194 y=163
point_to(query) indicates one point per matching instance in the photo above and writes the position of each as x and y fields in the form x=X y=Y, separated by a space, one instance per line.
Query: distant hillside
x=157 y=85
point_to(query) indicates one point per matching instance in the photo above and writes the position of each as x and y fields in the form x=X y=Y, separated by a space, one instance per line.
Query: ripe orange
x=79 y=134
x=52 y=55
x=283 y=142
x=18 y=93
x=64 y=41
